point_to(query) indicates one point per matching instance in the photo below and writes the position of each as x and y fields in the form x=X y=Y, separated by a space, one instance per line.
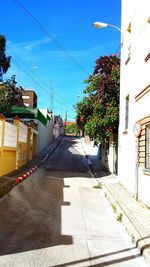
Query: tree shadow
x=31 y=212
x=31 y=216
x=72 y=163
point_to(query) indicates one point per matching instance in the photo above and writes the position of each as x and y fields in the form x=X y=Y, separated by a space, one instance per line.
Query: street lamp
x=104 y=25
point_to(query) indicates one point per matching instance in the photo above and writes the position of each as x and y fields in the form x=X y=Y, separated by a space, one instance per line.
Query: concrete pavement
x=134 y=215
x=8 y=181
x=90 y=233
x=58 y=218
x=82 y=233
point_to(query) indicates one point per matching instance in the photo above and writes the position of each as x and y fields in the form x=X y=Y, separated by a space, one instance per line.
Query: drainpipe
x=137 y=169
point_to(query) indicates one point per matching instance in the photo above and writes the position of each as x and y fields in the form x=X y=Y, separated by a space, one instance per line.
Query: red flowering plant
x=99 y=111
x=84 y=110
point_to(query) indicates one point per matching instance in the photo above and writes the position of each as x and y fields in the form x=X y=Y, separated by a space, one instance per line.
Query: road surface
x=57 y=218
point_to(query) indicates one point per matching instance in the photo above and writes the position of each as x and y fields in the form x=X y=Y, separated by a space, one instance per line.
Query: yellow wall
x=35 y=139
x=7 y=160
x=7 y=154
x=29 y=146
x=12 y=158
x=21 y=158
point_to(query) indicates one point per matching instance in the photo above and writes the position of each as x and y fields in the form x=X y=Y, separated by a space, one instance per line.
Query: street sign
x=137 y=129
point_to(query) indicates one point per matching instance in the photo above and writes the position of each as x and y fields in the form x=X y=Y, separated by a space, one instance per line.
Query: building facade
x=42 y=118
x=58 y=126
x=134 y=126
x=29 y=98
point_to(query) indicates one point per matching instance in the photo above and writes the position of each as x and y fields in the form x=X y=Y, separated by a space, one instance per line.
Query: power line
x=51 y=95
x=39 y=84
x=43 y=82
x=36 y=81
x=48 y=35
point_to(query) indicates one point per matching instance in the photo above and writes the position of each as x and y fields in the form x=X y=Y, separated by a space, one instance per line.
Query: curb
x=140 y=238
x=27 y=174
x=35 y=167
x=142 y=242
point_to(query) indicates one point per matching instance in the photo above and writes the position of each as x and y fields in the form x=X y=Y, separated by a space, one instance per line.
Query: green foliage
x=8 y=95
x=72 y=129
x=98 y=186
x=119 y=217
x=114 y=207
x=84 y=110
x=98 y=112
x=4 y=60
x=133 y=238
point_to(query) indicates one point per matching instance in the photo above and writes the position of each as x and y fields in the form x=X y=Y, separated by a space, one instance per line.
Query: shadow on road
x=68 y=160
x=31 y=216
x=31 y=212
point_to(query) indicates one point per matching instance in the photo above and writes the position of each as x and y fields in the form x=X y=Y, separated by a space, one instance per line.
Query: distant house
x=29 y=98
x=134 y=127
x=58 y=126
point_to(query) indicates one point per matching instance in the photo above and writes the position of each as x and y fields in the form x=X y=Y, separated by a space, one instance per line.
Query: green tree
x=72 y=129
x=100 y=108
x=8 y=95
x=84 y=110
x=4 y=60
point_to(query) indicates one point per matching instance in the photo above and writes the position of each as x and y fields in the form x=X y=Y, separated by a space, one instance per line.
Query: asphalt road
x=57 y=218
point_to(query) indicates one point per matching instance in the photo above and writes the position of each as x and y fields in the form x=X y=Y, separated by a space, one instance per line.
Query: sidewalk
x=134 y=215
x=9 y=180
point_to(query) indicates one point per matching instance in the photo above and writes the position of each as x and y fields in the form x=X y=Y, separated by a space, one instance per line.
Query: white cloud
x=25 y=48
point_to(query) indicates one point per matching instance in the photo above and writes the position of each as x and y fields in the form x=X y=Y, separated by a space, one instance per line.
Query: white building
x=134 y=152
x=45 y=130
x=58 y=126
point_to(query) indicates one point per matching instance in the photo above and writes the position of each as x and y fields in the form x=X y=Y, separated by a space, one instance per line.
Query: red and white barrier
x=32 y=170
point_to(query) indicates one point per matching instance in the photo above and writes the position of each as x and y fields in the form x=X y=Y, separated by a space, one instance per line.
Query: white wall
x=45 y=133
x=10 y=135
x=23 y=132
x=135 y=76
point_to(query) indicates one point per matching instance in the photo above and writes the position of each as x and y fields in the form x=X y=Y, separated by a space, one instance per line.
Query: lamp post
x=104 y=25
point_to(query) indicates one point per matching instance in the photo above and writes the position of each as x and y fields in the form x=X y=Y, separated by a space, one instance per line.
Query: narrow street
x=57 y=218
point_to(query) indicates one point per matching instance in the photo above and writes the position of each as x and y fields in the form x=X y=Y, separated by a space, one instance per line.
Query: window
x=25 y=97
x=26 y=104
x=147 y=156
x=129 y=28
x=127 y=112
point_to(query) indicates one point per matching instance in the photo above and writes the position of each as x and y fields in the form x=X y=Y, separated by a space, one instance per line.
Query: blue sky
x=64 y=61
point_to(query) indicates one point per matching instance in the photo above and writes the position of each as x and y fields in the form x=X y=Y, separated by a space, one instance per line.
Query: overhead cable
x=48 y=35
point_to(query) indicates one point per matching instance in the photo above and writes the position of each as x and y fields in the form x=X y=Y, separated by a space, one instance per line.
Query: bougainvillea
x=98 y=112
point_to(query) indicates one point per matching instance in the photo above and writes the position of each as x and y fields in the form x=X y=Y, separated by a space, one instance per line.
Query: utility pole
x=51 y=95
x=61 y=110
x=66 y=117
x=65 y=122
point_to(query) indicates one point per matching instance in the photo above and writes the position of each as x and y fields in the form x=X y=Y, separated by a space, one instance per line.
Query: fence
x=18 y=144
